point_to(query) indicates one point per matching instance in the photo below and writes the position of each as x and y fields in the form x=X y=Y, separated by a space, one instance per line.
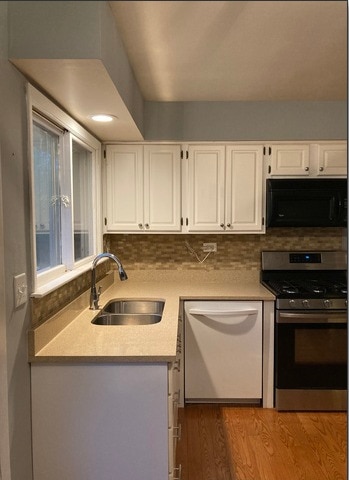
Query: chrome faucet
x=94 y=295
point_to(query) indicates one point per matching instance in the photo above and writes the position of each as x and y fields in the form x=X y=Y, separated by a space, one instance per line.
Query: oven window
x=311 y=356
x=316 y=347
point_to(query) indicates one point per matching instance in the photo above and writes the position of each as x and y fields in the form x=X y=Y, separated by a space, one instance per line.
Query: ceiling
x=236 y=50
x=185 y=51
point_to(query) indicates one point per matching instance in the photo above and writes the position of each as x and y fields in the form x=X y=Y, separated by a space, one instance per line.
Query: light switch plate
x=20 y=289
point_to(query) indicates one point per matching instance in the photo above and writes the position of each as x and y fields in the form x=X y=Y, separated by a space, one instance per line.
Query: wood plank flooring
x=248 y=443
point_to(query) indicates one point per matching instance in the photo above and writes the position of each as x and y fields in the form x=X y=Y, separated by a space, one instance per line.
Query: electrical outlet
x=20 y=289
x=209 y=247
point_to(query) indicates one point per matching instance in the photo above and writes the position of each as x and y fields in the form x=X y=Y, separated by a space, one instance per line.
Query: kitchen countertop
x=70 y=336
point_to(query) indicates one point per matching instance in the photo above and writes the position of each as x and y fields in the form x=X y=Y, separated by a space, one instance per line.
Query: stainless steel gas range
x=310 y=328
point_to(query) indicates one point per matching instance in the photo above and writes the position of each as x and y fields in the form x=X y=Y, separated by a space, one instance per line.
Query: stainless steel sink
x=126 y=319
x=135 y=306
x=130 y=312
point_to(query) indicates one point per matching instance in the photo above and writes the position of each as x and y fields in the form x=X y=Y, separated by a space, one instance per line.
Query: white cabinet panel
x=206 y=188
x=124 y=183
x=290 y=160
x=332 y=160
x=162 y=187
x=100 y=421
x=244 y=172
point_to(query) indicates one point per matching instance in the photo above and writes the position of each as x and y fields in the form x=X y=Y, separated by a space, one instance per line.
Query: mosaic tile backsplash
x=175 y=252
x=239 y=252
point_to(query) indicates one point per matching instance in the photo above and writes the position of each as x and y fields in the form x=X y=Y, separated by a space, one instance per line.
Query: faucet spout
x=94 y=295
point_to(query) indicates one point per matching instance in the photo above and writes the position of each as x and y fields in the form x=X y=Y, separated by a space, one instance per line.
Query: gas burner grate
x=283 y=287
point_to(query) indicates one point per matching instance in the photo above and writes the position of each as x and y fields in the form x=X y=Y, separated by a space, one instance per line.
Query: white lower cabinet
x=174 y=394
x=103 y=421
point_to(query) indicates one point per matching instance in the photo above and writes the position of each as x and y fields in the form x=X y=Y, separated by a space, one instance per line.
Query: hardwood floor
x=248 y=443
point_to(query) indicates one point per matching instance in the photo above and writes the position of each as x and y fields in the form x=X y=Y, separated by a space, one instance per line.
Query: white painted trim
x=5 y=465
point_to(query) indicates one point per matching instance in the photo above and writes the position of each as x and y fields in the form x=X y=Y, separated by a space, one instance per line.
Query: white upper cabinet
x=225 y=189
x=289 y=160
x=162 y=187
x=206 y=189
x=307 y=160
x=215 y=188
x=331 y=160
x=124 y=188
x=244 y=180
x=142 y=188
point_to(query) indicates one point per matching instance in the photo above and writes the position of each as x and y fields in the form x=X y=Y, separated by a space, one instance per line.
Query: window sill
x=59 y=282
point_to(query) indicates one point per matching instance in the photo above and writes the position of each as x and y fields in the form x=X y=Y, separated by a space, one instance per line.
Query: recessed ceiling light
x=103 y=118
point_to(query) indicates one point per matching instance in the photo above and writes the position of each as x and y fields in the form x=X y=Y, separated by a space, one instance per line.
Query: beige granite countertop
x=71 y=337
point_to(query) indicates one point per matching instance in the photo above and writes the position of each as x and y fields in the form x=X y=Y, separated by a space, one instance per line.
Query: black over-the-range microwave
x=306 y=202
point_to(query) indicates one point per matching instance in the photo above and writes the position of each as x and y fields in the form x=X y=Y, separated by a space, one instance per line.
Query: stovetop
x=292 y=287
x=303 y=280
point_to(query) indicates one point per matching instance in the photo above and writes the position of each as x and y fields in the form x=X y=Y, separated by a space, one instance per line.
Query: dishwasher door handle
x=223 y=313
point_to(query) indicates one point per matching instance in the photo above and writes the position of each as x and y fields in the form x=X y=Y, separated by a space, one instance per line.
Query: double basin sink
x=130 y=312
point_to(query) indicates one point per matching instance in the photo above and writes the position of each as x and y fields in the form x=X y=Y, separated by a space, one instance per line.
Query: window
x=46 y=148
x=82 y=211
x=65 y=195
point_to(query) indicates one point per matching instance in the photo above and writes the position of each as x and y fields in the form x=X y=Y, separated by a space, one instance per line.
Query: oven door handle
x=328 y=317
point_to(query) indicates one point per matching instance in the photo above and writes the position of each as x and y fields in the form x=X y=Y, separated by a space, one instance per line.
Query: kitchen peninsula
x=120 y=384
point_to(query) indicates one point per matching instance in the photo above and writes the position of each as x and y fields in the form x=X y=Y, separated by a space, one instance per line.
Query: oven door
x=310 y=356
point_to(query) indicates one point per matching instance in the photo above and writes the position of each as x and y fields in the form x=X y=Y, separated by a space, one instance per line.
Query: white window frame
x=48 y=281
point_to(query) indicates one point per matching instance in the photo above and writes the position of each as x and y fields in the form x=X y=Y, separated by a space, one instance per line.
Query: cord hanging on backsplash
x=193 y=252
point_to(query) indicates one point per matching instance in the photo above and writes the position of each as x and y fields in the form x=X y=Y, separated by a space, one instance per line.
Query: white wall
x=15 y=260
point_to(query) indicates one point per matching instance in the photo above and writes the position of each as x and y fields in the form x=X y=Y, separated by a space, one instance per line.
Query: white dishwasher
x=223 y=351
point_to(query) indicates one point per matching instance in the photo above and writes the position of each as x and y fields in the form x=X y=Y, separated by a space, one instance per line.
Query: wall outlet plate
x=20 y=289
x=209 y=247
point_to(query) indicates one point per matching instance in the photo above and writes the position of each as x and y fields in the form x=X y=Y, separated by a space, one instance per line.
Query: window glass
x=65 y=170
x=46 y=145
x=82 y=195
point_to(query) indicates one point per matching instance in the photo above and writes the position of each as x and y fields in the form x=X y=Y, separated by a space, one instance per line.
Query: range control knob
x=305 y=303
x=327 y=303
x=292 y=303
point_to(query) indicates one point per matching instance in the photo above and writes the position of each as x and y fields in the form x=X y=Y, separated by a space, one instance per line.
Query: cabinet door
x=124 y=183
x=290 y=160
x=206 y=189
x=332 y=160
x=244 y=177
x=162 y=189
